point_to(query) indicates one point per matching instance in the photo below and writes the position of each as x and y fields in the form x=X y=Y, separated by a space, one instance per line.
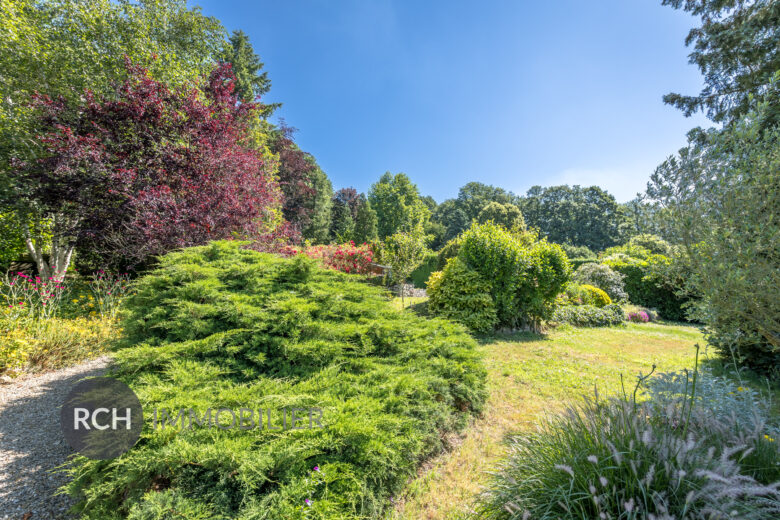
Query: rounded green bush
x=603 y=277
x=525 y=275
x=596 y=296
x=461 y=294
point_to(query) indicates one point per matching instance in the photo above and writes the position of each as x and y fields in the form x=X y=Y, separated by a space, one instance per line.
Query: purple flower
x=316 y=468
x=308 y=502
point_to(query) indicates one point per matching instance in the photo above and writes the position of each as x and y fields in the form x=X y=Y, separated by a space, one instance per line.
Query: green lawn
x=529 y=375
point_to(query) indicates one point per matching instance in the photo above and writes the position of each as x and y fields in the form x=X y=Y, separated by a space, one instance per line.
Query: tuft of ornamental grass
x=674 y=456
x=219 y=326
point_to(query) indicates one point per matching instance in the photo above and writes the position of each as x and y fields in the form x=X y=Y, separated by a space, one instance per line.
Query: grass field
x=529 y=375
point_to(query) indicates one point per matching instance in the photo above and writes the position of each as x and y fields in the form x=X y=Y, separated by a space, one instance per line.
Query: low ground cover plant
x=221 y=326
x=681 y=454
x=589 y=315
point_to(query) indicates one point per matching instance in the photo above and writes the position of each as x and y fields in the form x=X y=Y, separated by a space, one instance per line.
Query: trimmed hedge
x=223 y=327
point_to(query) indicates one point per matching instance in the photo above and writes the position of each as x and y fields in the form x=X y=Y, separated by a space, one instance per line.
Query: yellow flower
x=740 y=389
x=770 y=439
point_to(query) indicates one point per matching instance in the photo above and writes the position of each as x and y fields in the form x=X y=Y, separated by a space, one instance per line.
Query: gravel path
x=31 y=442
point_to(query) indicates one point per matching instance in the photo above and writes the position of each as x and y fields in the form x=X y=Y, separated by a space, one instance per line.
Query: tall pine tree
x=251 y=83
x=365 y=222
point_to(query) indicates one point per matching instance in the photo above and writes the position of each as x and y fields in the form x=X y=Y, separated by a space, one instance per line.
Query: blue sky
x=509 y=93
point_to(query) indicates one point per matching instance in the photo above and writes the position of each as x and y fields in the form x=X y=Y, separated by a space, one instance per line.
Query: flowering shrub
x=51 y=343
x=46 y=323
x=638 y=317
x=347 y=258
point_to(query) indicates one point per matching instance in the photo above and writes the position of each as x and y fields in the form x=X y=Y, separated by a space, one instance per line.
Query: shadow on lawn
x=511 y=337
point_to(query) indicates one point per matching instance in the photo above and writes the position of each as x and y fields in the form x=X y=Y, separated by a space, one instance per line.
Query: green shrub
x=596 y=296
x=572 y=294
x=525 y=275
x=220 y=326
x=618 y=458
x=603 y=277
x=577 y=262
x=450 y=250
x=645 y=286
x=653 y=243
x=589 y=315
x=461 y=294
x=582 y=252
x=422 y=272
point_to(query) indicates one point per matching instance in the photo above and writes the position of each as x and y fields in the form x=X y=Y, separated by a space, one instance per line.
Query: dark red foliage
x=294 y=174
x=350 y=198
x=154 y=169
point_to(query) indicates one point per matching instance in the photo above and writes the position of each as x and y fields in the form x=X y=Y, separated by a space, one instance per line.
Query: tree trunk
x=60 y=255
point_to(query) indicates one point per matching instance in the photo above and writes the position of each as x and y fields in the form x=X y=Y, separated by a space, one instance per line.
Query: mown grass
x=529 y=375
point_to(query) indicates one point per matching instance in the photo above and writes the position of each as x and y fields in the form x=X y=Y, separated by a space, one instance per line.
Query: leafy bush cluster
x=220 y=326
x=722 y=193
x=461 y=294
x=579 y=252
x=589 y=315
x=596 y=296
x=601 y=276
x=645 y=282
x=523 y=276
x=683 y=454
x=576 y=294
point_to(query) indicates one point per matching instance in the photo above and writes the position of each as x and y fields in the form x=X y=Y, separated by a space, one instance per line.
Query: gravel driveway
x=31 y=442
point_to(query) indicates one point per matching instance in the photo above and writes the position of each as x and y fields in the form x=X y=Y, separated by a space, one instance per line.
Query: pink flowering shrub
x=638 y=317
x=348 y=258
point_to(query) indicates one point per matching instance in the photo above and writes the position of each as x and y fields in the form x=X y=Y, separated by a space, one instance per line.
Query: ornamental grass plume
x=682 y=454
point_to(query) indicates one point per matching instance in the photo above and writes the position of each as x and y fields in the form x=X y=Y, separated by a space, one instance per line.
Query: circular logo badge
x=101 y=418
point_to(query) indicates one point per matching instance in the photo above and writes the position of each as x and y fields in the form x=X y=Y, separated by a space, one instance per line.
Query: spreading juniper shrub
x=219 y=326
